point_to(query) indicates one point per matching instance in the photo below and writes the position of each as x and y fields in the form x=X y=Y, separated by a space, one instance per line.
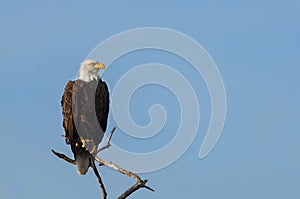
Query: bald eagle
x=85 y=107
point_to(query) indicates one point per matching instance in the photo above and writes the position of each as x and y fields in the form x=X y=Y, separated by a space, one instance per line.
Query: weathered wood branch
x=64 y=157
x=104 y=194
x=139 y=182
x=92 y=165
x=108 y=141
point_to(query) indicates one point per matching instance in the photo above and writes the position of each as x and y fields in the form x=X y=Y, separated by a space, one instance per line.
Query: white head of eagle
x=89 y=70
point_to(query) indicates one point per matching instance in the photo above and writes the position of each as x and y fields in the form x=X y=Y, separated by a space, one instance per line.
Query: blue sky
x=255 y=45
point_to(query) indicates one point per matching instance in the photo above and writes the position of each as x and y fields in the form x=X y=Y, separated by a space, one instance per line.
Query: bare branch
x=139 y=182
x=108 y=141
x=136 y=186
x=67 y=159
x=104 y=194
x=62 y=156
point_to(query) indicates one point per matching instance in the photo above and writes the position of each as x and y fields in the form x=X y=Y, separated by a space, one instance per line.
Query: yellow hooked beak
x=100 y=66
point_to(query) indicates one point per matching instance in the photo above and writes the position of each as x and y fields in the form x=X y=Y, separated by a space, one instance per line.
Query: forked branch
x=139 y=182
x=108 y=141
x=69 y=160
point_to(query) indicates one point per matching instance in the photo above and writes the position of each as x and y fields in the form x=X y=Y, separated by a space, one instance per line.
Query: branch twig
x=62 y=156
x=104 y=194
x=139 y=182
x=108 y=141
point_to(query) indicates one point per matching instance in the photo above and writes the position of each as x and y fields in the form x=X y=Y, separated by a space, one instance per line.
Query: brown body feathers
x=85 y=107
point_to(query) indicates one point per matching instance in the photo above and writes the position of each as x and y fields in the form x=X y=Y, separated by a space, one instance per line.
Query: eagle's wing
x=102 y=105
x=66 y=103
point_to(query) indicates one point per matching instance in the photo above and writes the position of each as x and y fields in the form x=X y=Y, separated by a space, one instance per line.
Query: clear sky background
x=255 y=45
